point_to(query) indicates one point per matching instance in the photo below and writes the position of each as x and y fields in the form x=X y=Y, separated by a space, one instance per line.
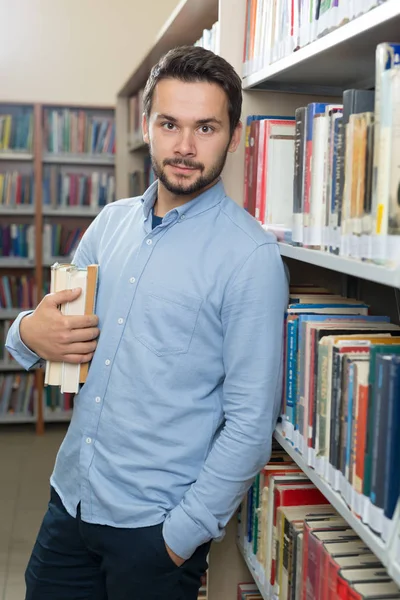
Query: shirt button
x=183 y=217
x=98 y=399
x=108 y=362
x=149 y=242
x=120 y=321
x=132 y=280
x=88 y=440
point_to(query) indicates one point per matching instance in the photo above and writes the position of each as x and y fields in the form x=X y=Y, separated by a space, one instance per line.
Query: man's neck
x=167 y=201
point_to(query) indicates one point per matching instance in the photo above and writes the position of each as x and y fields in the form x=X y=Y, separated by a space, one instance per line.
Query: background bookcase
x=320 y=71
x=64 y=153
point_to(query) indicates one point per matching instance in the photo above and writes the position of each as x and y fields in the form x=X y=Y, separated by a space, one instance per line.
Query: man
x=183 y=392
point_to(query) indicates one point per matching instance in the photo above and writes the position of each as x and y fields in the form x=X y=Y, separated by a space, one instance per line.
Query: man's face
x=188 y=134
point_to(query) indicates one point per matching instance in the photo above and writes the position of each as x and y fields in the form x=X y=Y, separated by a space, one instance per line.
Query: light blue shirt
x=176 y=417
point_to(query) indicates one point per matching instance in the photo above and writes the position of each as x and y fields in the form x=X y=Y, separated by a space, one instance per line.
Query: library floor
x=26 y=462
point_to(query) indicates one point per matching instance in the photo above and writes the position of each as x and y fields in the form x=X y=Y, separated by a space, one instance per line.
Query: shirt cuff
x=183 y=535
x=16 y=347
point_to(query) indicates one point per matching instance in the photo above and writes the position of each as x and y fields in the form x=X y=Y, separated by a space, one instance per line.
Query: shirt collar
x=201 y=203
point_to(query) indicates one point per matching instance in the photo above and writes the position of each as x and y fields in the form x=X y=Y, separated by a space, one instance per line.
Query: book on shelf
x=16 y=129
x=16 y=189
x=274 y=30
x=78 y=131
x=313 y=552
x=269 y=150
x=342 y=379
x=248 y=591
x=210 y=39
x=67 y=276
x=66 y=188
x=374 y=591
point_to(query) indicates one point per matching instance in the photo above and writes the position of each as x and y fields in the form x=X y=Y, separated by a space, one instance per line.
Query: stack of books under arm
x=340 y=401
x=67 y=276
x=300 y=547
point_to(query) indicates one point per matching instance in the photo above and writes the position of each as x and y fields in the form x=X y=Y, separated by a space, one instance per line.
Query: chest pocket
x=168 y=320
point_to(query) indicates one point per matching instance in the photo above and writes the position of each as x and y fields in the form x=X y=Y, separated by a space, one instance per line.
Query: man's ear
x=145 y=129
x=236 y=137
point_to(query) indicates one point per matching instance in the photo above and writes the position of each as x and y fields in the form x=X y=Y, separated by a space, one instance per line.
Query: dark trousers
x=73 y=560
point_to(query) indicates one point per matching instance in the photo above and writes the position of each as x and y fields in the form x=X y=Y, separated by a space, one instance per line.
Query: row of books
x=64 y=188
x=300 y=547
x=61 y=239
x=17 y=394
x=16 y=130
x=347 y=175
x=210 y=39
x=330 y=179
x=16 y=189
x=55 y=402
x=17 y=291
x=18 y=240
x=248 y=591
x=340 y=400
x=274 y=30
x=78 y=132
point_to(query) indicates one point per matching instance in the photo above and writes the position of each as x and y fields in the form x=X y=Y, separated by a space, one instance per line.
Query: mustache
x=184 y=162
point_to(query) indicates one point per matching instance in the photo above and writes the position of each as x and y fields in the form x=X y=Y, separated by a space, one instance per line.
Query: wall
x=74 y=51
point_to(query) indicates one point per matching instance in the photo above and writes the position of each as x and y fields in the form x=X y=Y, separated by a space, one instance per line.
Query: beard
x=182 y=188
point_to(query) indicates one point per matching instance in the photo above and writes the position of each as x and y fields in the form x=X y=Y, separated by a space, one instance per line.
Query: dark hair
x=194 y=64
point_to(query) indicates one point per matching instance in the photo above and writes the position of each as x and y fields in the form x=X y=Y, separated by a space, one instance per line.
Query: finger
x=83 y=335
x=81 y=321
x=79 y=348
x=78 y=359
x=63 y=296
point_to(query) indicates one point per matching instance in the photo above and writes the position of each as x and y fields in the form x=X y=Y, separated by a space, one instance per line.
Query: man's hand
x=57 y=337
x=174 y=557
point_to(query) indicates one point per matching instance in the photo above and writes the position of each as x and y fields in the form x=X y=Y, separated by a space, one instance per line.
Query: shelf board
x=71 y=211
x=79 y=159
x=16 y=419
x=348 y=266
x=249 y=560
x=17 y=211
x=13 y=262
x=137 y=144
x=11 y=313
x=10 y=366
x=15 y=155
x=51 y=260
x=373 y=541
x=342 y=59
x=184 y=27
x=57 y=417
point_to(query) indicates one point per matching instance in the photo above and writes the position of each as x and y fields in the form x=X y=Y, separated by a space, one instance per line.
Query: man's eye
x=168 y=125
x=206 y=129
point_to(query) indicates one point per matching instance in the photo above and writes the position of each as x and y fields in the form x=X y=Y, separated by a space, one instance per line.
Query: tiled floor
x=26 y=462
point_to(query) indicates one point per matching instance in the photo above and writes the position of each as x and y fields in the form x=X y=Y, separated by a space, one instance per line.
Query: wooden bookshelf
x=341 y=59
x=39 y=159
